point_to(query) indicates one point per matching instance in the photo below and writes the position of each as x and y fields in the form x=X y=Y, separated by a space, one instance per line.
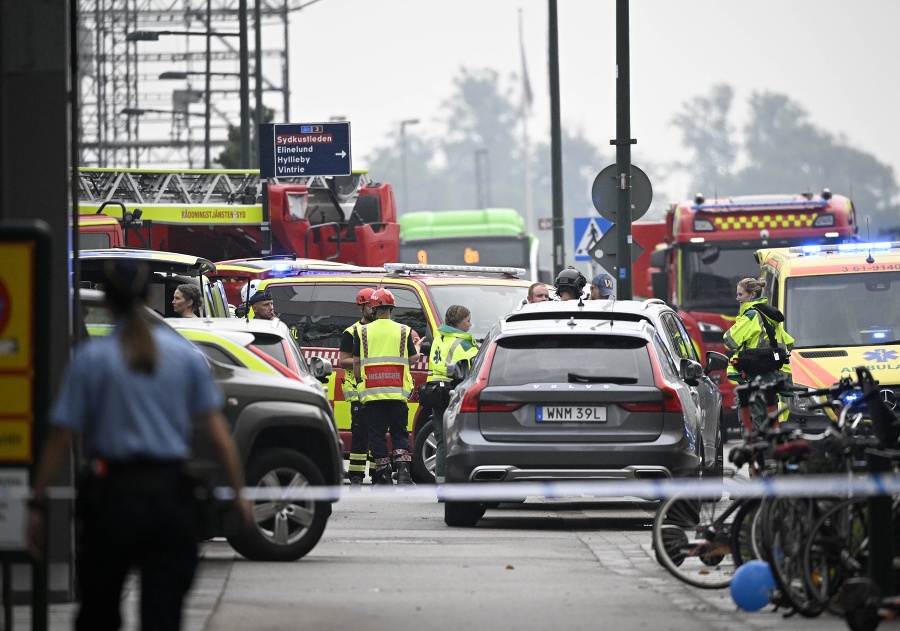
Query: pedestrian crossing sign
x=588 y=231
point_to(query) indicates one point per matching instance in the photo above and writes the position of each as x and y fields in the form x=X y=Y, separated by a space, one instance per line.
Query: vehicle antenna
x=869 y=259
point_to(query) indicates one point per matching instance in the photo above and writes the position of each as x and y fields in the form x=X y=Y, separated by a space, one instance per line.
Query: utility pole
x=623 y=142
x=559 y=229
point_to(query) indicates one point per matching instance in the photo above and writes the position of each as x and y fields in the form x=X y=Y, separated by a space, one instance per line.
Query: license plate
x=570 y=413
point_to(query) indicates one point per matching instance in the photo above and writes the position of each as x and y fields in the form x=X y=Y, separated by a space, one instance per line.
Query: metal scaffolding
x=131 y=117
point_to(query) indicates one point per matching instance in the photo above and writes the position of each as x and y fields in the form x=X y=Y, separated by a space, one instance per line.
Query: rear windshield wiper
x=575 y=378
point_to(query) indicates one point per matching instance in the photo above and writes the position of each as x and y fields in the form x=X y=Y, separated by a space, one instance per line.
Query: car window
x=271 y=345
x=680 y=341
x=668 y=364
x=216 y=353
x=488 y=303
x=93 y=240
x=555 y=358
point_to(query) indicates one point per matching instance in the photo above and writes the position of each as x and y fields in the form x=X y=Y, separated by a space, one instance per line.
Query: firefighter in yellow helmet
x=359 y=437
x=382 y=356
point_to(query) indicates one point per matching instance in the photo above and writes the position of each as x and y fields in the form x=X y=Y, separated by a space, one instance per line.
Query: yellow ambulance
x=842 y=306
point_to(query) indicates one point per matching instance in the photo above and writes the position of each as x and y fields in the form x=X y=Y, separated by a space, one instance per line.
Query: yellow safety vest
x=350 y=387
x=383 y=361
x=444 y=352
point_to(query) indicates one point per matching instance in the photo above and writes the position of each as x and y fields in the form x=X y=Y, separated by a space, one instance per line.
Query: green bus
x=493 y=236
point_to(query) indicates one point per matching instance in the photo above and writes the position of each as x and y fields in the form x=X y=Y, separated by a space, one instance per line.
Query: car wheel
x=424 y=454
x=463 y=514
x=285 y=529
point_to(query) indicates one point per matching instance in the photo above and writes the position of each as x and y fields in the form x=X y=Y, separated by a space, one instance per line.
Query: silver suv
x=583 y=391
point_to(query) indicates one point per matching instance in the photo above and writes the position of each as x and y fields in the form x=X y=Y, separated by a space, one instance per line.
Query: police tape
x=800 y=485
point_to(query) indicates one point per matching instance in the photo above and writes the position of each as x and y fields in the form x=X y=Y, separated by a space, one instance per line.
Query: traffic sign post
x=304 y=149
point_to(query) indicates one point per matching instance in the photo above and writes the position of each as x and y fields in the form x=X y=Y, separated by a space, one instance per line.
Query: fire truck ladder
x=159 y=186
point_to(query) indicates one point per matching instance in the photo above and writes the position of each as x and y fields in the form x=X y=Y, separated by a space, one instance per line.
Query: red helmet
x=364 y=295
x=382 y=298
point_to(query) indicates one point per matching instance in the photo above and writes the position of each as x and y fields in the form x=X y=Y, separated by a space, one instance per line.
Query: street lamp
x=403 y=124
x=153 y=36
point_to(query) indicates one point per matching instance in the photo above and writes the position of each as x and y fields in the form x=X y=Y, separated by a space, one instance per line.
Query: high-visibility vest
x=383 y=361
x=445 y=351
x=350 y=387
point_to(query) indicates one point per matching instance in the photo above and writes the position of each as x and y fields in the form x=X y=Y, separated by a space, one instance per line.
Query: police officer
x=382 y=356
x=135 y=397
x=263 y=306
x=359 y=437
x=452 y=343
x=569 y=284
x=749 y=331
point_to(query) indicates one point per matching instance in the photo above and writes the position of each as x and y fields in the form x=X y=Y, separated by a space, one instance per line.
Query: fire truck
x=230 y=214
x=709 y=245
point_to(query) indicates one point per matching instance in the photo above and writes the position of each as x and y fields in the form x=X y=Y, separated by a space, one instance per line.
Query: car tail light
x=670 y=400
x=274 y=363
x=471 y=401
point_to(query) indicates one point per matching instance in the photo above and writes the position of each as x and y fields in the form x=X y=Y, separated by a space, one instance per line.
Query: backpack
x=758 y=361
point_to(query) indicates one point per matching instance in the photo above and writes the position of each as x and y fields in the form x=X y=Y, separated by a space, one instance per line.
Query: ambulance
x=841 y=304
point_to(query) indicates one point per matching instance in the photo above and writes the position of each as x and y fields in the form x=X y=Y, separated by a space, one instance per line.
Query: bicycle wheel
x=742 y=547
x=692 y=540
x=836 y=549
x=787 y=522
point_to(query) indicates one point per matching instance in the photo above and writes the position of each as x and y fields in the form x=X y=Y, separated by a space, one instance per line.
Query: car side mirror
x=715 y=361
x=458 y=370
x=691 y=371
x=320 y=368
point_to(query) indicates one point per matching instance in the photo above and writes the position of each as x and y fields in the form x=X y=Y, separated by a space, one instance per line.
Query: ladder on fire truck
x=200 y=186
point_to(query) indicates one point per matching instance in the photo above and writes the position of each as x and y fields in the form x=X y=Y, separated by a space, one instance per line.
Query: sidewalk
x=209 y=583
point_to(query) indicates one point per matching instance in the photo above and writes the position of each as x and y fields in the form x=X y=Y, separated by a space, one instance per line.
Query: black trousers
x=359 y=441
x=383 y=417
x=155 y=532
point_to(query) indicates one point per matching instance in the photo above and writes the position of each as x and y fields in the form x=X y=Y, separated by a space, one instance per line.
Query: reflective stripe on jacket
x=748 y=331
x=350 y=387
x=450 y=345
x=383 y=361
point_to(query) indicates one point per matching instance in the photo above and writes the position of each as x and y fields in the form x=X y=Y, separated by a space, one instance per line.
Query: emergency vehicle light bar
x=754 y=206
x=844 y=247
x=415 y=267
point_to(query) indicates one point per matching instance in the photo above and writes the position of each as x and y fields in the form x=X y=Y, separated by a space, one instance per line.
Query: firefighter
x=756 y=319
x=452 y=343
x=359 y=437
x=569 y=284
x=382 y=356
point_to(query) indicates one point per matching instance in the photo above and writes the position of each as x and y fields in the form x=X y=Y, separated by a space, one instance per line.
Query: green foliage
x=230 y=158
x=782 y=152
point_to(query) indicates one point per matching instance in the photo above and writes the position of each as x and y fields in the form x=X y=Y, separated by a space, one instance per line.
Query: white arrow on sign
x=342 y=154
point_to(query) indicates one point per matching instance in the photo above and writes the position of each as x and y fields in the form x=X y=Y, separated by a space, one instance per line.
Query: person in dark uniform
x=134 y=397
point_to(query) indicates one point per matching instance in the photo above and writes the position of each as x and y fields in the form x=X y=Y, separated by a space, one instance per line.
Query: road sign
x=587 y=231
x=545 y=223
x=604 y=251
x=297 y=149
x=605 y=190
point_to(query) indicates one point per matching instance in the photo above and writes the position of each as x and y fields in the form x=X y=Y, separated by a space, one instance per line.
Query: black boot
x=382 y=477
x=403 y=476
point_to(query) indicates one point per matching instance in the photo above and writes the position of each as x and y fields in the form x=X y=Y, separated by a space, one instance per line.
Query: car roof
x=255 y=325
x=159 y=261
x=625 y=310
x=578 y=325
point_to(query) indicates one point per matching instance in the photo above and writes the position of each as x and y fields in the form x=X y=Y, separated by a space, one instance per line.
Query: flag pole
x=530 y=223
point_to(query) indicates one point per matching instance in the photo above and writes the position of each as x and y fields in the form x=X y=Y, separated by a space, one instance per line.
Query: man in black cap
x=263 y=307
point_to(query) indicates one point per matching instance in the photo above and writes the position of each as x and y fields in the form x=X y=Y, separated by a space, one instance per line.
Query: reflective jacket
x=450 y=345
x=383 y=361
x=749 y=331
x=350 y=387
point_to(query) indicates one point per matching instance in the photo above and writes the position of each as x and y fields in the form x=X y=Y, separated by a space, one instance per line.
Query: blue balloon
x=752 y=585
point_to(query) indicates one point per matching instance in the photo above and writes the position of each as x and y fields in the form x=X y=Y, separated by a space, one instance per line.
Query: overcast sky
x=377 y=62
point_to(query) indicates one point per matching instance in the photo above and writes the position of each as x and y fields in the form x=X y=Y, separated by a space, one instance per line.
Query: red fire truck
x=709 y=246
x=219 y=214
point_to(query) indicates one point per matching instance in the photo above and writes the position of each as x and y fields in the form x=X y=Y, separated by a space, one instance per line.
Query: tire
x=463 y=514
x=742 y=546
x=285 y=530
x=681 y=540
x=787 y=523
x=424 y=452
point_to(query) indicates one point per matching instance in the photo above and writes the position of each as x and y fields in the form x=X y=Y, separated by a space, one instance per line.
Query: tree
x=782 y=152
x=230 y=158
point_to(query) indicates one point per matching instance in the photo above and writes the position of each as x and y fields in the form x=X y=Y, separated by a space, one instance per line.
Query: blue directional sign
x=298 y=149
x=587 y=231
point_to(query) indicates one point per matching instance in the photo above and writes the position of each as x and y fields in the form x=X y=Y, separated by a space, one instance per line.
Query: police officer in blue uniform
x=134 y=397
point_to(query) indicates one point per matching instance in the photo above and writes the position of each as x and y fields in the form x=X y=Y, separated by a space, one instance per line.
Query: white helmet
x=253 y=285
